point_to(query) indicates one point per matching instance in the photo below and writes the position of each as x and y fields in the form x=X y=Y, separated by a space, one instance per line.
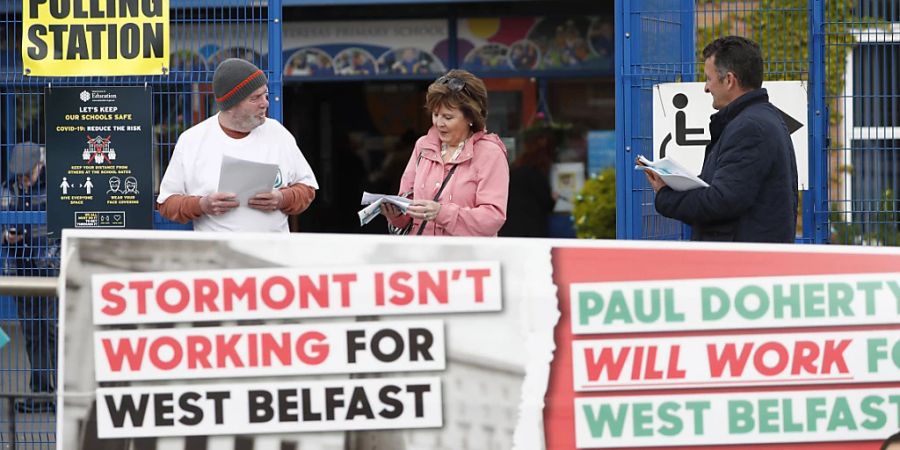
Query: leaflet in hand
x=246 y=178
x=401 y=202
x=374 y=201
x=369 y=212
x=673 y=174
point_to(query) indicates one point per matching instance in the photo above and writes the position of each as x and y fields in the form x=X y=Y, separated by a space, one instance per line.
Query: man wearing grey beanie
x=189 y=188
x=31 y=252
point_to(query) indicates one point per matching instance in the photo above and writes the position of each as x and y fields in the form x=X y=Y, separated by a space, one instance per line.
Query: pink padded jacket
x=474 y=201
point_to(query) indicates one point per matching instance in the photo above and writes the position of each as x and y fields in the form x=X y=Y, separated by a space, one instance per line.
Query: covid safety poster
x=99 y=158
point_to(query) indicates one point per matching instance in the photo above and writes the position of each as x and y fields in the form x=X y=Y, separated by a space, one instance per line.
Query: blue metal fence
x=862 y=91
x=655 y=44
x=182 y=98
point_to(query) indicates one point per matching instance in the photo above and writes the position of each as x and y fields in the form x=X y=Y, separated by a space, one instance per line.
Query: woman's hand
x=390 y=210
x=423 y=209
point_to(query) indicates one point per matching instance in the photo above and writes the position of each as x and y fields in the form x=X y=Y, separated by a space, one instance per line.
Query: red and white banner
x=315 y=340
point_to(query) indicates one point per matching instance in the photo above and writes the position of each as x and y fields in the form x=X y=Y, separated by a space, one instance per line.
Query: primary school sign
x=87 y=38
x=486 y=343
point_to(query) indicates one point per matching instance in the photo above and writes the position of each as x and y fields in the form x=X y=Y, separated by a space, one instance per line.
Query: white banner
x=741 y=360
x=299 y=406
x=270 y=350
x=734 y=303
x=736 y=418
x=296 y=293
x=297 y=339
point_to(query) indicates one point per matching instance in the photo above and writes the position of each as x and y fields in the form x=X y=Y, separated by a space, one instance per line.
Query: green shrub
x=595 y=207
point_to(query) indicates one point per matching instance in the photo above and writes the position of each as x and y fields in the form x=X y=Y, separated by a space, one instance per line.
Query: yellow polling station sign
x=95 y=37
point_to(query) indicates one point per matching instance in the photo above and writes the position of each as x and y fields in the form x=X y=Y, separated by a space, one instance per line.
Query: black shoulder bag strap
x=438 y=196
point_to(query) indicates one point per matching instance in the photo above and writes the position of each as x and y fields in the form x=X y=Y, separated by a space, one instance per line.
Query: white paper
x=370 y=212
x=374 y=209
x=400 y=202
x=246 y=178
x=673 y=174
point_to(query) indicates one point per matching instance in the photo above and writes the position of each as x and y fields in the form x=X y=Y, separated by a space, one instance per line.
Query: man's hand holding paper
x=218 y=203
x=267 y=201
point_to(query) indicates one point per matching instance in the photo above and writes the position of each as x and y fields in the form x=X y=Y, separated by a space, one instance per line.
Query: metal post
x=625 y=202
x=276 y=63
x=815 y=200
x=11 y=413
x=452 y=36
x=29 y=286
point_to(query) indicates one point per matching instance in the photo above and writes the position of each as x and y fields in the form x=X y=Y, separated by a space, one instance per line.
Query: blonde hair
x=460 y=89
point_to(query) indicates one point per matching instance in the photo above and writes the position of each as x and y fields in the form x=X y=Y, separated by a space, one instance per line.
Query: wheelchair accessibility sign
x=681 y=114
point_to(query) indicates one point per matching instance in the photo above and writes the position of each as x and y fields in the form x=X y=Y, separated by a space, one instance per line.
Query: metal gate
x=203 y=32
x=862 y=53
x=654 y=44
x=846 y=50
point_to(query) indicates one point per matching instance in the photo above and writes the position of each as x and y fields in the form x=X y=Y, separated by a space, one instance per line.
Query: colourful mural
x=309 y=62
x=409 y=61
x=365 y=48
x=536 y=44
x=421 y=48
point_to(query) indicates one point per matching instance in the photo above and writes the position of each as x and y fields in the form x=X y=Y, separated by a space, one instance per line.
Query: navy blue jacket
x=36 y=254
x=752 y=174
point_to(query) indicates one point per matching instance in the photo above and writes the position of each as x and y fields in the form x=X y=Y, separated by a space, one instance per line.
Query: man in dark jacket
x=30 y=252
x=749 y=164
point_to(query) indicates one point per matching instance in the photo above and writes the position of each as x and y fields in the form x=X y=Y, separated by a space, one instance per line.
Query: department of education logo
x=84 y=96
x=103 y=96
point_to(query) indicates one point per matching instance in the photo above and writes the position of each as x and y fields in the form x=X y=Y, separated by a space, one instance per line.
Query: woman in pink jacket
x=458 y=174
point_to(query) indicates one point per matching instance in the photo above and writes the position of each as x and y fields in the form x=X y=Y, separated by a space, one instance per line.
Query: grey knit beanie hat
x=24 y=156
x=234 y=80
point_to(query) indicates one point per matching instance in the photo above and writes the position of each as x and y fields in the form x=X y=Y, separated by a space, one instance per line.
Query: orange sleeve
x=181 y=208
x=297 y=197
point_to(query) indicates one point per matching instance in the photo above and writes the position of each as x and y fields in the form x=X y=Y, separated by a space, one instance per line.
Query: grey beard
x=247 y=124
x=251 y=123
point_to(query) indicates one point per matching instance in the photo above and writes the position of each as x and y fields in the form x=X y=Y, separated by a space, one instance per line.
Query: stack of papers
x=246 y=178
x=673 y=174
x=374 y=201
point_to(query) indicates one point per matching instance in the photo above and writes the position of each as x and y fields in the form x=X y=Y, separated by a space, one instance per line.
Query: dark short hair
x=460 y=89
x=893 y=439
x=739 y=56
